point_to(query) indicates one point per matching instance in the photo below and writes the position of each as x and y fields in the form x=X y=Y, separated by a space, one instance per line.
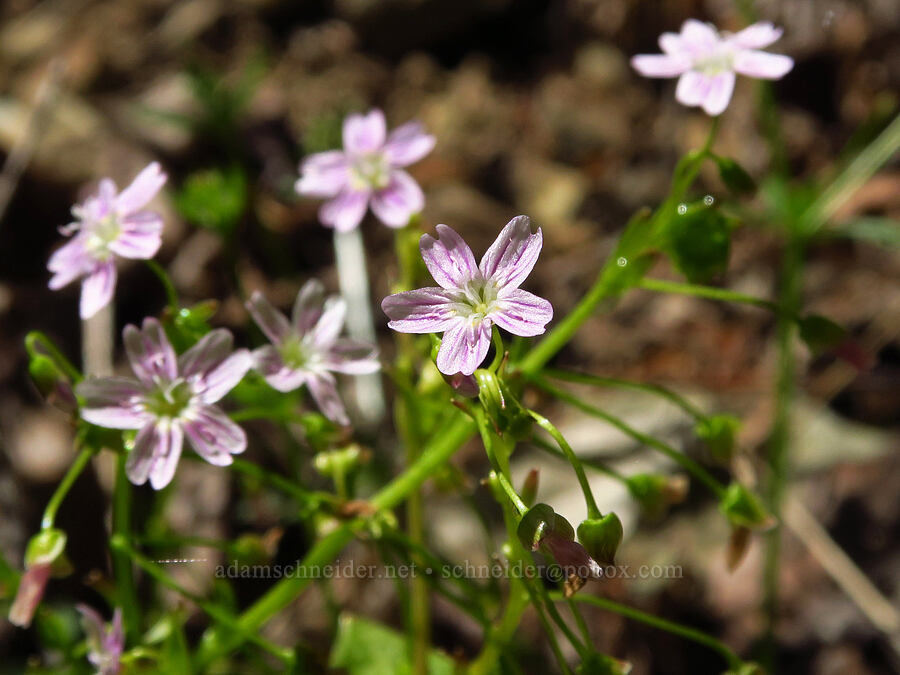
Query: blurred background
x=536 y=111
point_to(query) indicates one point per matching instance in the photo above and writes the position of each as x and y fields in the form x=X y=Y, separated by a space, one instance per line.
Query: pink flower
x=171 y=397
x=705 y=61
x=105 y=643
x=307 y=350
x=108 y=225
x=472 y=298
x=369 y=172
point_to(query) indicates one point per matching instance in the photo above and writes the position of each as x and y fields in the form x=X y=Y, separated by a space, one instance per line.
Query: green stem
x=36 y=340
x=596 y=465
x=708 y=292
x=122 y=569
x=683 y=460
x=81 y=461
x=501 y=634
x=171 y=293
x=546 y=425
x=692 y=634
x=499 y=351
x=221 y=615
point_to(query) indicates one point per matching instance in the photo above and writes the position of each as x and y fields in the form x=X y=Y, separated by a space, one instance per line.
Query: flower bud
x=601 y=537
x=52 y=383
x=596 y=663
x=44 y=549
x=744 y=509
x=464 y=385
x=528 y=493
x=718 y=432
x=340 y=461
x=654 y=492
x=502 y=408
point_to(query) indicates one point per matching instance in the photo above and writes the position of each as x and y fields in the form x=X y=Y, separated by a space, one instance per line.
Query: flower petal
x=364 y=133
x=323 y=174
x=214 y=436
x=308 y=306
x=522 y=313
x=329 y=325
x=150 y=352
x=660 y=65
x=28 y=596
x=225 y=377
x=140 y=236
x=395 y=204
x=757 y=36
x=97 y=289
x=464 y=347
x=513 y=254
x=270 y=321
x=142 y=189
x=267 y=361
x=345 y=211
x=211 y=367
x=719 y=94
x=425 y=310
x=112 y=402
x=671 y=43
x=93 y=625
x=70 y=262
x=697 y=36
x=762 y=64
x=448 y=258
x=408 y=143
x=206 y=354
x=352 y=357
x=155 y=455
x=323 y=388
x=692 y=88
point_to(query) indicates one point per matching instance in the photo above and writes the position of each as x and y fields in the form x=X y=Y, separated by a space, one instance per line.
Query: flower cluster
x=705 y=61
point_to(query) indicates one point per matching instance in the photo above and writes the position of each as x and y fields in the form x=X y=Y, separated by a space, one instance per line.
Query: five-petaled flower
x=705 y=61
x=307 y=349
x=171 y=397
x=108 y=224
x=369 y=171
x=472 y=298
x=105 y=642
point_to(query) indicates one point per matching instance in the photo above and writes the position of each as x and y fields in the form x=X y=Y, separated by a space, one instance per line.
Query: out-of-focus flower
x=108 y=224
x=472 y=298
x=368 y=172
x=171 y=397
x=105 y=642
x=705 y=61
x=31 y=589
x=307 y=349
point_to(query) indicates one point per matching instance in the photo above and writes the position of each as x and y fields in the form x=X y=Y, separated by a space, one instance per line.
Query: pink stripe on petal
x=112 y=402
x=214 y=436
x=323 y=389
x=762 y=64
x=364 y=133
x=448 y=258
x=395 y=204
x=352 y=357
x=346 y=211
x=270 y=321
x=150 y=353
x=140 y=238
x=425 y=310
x=513 y=254
x=408 y=143
x=720 y=90
x=140 y=459
x=308 y=306
x=97 y=289
x=692 y=88
x=323 y=175
x=660 y=65
x=757 y=36
x=522 y=313
x=143 y=188
x=209 y=351
x=464 y=347
x=170 y=440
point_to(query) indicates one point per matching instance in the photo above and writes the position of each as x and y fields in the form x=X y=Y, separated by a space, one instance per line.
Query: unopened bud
x=601 y=537
x=744 y=509
x=529 y=489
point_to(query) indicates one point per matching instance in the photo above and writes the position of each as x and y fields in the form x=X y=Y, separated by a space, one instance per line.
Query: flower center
x=170 y=400
x=102 y=233
x=479 y=300
x=370 y=171
x=717 y=61
x=295 y=353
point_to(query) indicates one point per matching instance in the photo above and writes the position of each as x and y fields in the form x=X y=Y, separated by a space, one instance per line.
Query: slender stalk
x=81 y=461
x=499 y=351
x=546 y=425
x=708 y=292
x=122 y=569
x=733 y=660
x=168 y=286
x=221 y=615
x=501 y=634
x=548 y=447
x=683 y=460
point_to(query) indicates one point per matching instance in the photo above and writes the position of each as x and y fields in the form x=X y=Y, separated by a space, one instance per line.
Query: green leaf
x=215 y=199
x=365 y=647
x=820 y=333
x=880 y=231
x=698 y=240
x=734 y=176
